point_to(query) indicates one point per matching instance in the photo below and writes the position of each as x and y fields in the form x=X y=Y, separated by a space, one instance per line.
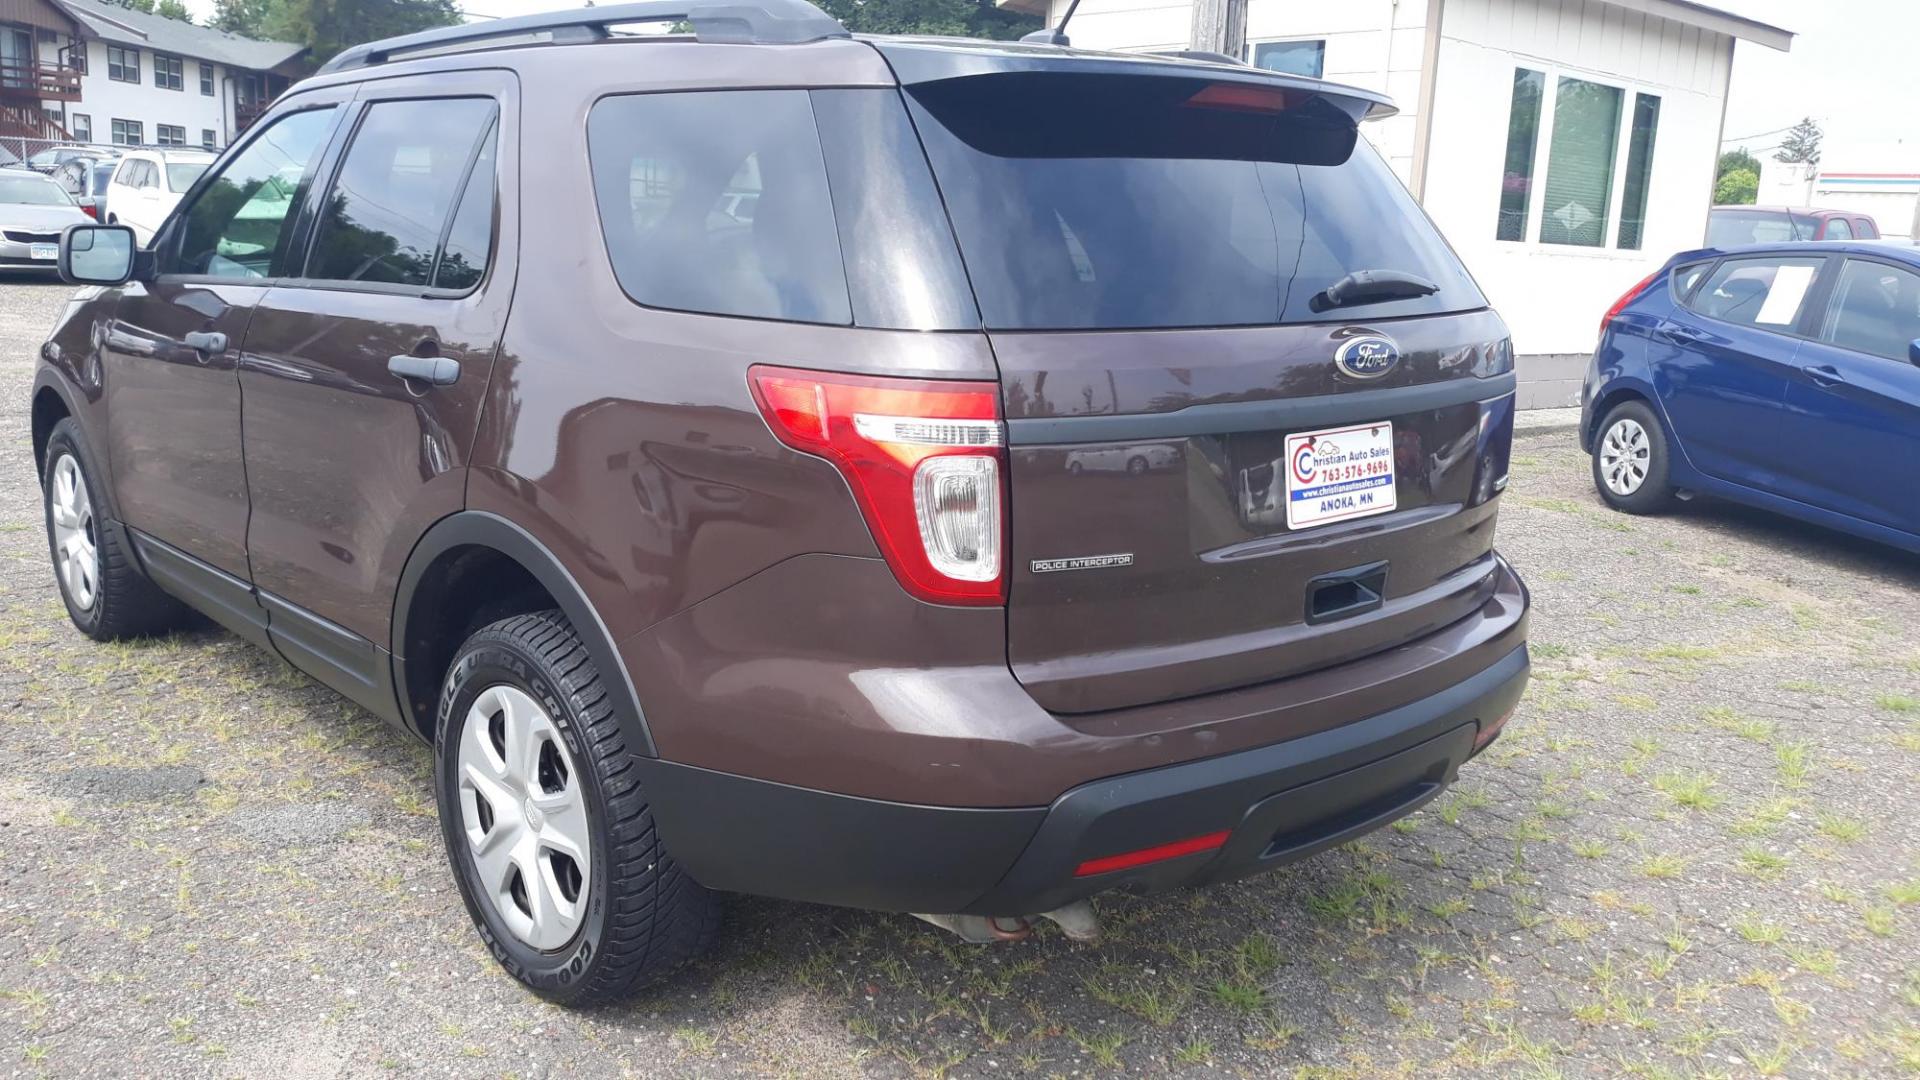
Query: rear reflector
x=924 y=461
x=1210 y=842
x=1488 y=731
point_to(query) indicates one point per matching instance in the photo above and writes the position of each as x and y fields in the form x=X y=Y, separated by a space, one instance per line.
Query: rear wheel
x=106 y=595
x=549 y=833
x=1630 y=460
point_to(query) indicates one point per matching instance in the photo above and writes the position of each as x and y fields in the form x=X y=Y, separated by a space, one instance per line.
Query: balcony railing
x=246 y=112
x=33 y=79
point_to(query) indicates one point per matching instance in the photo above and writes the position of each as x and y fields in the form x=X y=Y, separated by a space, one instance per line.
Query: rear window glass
x=717 y=202
x=1093 y=201
x=181 y=177
x=1764 y=292
x=1731 y=228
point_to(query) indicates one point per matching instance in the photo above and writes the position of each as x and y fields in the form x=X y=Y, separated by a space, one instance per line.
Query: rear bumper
x=1278 y=803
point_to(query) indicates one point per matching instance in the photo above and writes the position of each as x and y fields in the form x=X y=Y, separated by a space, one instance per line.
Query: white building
x=1881 y=179
x=1565 y=147
x=89 y=71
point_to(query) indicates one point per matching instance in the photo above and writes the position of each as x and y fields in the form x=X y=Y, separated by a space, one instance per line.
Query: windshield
x=1121 y=201
x=32 y=191
x=1731 y=228
x=181 y=177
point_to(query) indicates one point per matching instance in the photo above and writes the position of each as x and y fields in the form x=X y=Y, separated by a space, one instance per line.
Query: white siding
x=1553 y=296
x=103 y=100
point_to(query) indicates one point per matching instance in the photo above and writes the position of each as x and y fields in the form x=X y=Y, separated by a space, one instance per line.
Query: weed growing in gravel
x=1843 y=829
x=1759 y=931
x=1793 y=762
x=1663 y=867
x=1758 y=862
x=1689 y=789
x=1879 y=921
x=1899 y=703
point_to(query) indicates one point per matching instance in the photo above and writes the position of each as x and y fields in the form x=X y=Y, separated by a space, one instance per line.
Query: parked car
x=33 y=212
x=1780 y=376
x=1732 y=226
x=739 y=550
x=51 y=158
x=86 y=179
x=148 y=184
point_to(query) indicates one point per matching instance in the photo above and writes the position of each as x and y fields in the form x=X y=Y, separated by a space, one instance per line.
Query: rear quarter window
x=717 y=202
x=1768 y=293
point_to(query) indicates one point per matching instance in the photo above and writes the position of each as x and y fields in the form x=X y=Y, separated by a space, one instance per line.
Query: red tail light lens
x=90 y=210
x=1627 y=298
x=924 y=459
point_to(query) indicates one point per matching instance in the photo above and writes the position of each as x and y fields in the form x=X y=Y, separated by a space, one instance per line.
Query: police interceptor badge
x=1084 y=562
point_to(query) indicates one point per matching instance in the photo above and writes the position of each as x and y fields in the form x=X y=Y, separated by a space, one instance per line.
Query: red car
x=1731 y=226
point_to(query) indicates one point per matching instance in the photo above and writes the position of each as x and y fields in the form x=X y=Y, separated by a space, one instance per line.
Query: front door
x=1853 y=404
x=1722 y=360
x=349 y=456
x=170 y=357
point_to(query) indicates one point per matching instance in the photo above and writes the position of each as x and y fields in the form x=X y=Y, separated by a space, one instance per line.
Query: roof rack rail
x=760 y=22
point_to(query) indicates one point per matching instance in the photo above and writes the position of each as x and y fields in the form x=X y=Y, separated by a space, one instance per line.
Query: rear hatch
x=1257 y=411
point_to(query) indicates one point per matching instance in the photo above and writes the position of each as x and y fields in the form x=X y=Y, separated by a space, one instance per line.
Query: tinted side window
x=1765 y=292
x=463 y=258
x=390 y=201
x=1876 y=310
x=1866 y=229
x=238 y=225
x=717 y=202
x=1686 y=277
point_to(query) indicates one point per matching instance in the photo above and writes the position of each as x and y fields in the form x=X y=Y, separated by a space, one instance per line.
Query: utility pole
x=1219 y=26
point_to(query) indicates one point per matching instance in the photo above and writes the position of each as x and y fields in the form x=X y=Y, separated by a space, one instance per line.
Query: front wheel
x=1630 y=464
x=548 y=831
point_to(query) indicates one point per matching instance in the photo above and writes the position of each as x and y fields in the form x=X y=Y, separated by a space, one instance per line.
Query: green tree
x=173 y=9
x=243 y=17
x=964 y=18
x=1801 y=143
x=134 y=5
x=1737 y=188
x=1737 y=159
x=327 y=26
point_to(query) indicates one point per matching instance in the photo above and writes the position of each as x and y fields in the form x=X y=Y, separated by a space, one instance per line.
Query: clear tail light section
x=925 y=460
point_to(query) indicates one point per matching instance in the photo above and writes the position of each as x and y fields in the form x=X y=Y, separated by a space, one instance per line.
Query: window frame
x=208 y=137
x=328 y=170
x=78 y=122
x=169 y=72
x=1828 y=291
x=1630 y=93
x=160 y=134
x=206 y=79
x=1253 y=45
x=129 y=73
x=1813 y=306
x=137 y=127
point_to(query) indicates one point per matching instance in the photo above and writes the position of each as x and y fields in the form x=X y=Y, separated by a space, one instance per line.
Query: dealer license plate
x=1339 y=473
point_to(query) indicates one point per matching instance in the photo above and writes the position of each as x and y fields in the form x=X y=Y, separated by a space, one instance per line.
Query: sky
x=1852 y=67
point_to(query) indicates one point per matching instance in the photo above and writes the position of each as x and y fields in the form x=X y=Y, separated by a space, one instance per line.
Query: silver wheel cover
x=76 y=554
x=525 y=817
x=1625 y=454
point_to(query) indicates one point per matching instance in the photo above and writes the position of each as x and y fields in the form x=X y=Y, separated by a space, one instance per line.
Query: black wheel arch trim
x=479 y=528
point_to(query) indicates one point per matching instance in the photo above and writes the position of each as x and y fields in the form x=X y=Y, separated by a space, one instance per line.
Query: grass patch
x=1761 y=863
x=1692 y=790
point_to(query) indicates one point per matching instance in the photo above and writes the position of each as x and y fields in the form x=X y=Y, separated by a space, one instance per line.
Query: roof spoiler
x=762 y=22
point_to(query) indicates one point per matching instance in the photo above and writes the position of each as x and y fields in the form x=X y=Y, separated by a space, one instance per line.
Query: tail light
x=90 y=210
x=924 y=459
x=1628 y=298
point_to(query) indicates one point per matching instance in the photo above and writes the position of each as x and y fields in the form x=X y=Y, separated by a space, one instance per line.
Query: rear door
x=350 y=457
x=1853 y=400
x=1721 y=360
x=1227 y=465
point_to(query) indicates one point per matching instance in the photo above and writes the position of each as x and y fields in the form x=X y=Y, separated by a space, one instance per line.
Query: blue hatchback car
x=1782 y=376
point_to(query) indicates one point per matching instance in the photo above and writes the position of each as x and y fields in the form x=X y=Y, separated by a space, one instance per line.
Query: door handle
x=1683 y=335
x=1825 y=375
x=433 y=370
x=206 y=342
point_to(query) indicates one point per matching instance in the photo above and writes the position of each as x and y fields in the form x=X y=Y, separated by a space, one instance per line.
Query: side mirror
x=1913 y=351
x=97 y=254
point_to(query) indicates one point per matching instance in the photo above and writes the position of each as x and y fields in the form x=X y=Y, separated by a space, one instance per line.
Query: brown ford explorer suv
x=918 y=475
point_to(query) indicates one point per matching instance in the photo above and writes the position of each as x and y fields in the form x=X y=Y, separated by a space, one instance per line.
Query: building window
x=1633 y=206
x=206 y=138
x=47 y=37
x=1523 y=140
x=169 y=135
x=1307 y=58
x=128 y=133
x=82 y=127
x=123 y=65
x=1586 y=133
x=206 y=79
x=75 y=56
x=167 y=71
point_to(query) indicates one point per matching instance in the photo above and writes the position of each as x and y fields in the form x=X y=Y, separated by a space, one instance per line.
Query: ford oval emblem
x=1367 y=357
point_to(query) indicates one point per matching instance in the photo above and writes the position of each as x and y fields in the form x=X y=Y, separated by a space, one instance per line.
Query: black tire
x=125 y=604
x=642 y=916
x=1654 y=493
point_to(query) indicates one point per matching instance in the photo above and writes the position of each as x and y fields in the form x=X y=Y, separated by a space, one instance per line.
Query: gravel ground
x=1693 y=854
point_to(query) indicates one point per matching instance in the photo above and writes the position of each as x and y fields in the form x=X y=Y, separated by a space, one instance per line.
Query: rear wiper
x=1371 y=287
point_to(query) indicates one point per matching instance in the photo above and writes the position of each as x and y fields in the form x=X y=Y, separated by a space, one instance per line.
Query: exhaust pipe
x=1076 y=920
